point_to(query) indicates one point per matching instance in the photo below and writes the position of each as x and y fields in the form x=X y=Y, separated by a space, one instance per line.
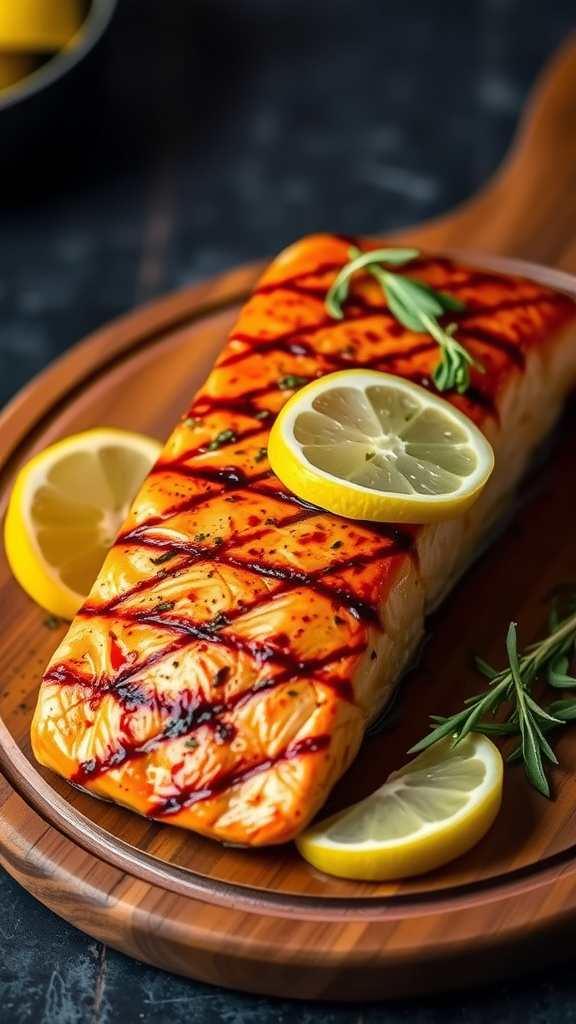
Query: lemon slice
x=66 y=508
x=369 y=445
x=431 y=811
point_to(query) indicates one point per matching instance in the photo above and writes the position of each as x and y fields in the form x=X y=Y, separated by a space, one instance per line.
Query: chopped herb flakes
x=260 y=454
x=224 y=437
x=291 y=381
x=199 y=537
x=192 y=421
x=165 y=606
x=52 y=622
x=192 y=743
x=165 y=557
x=262 y=414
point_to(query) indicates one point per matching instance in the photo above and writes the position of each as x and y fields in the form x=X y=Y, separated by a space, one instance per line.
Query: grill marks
x=189 y=796
x=299 y=340
x=185 y=714
x=344 y=582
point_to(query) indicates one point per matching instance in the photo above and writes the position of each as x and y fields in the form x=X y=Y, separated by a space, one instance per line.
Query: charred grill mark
x=187 y=713
x=319 y=270
x=188 y=795
x=95 y=689
x=291 y=578
x=183 y=714
x=513 y=351
x=278 y=342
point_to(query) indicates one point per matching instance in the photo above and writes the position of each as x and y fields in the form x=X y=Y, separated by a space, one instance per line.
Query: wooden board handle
x=528 y=209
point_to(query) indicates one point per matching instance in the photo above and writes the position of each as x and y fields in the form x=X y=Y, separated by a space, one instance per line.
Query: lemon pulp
x=434 y=809
x=66 y=508
x=369 y=445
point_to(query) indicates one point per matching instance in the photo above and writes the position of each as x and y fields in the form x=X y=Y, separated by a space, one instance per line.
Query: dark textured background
x=212 y=132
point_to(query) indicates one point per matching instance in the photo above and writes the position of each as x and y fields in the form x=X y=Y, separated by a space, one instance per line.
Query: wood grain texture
x=263 y=920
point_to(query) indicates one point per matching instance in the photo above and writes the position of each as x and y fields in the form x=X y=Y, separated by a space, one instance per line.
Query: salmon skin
x=237 y=641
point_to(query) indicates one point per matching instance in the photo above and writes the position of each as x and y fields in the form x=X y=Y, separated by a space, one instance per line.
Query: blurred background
x=197 y=134
x=169 y=140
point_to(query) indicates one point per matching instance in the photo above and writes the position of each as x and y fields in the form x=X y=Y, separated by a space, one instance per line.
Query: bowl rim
x=84 y=39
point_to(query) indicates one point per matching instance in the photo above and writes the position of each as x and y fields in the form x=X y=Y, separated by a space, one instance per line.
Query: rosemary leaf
x=415 y=305
x=484 y=668
x=509 y=696
x=532 y=757
x=540 y=713
x=557 y=675
x=564 y=710
x=543 y=743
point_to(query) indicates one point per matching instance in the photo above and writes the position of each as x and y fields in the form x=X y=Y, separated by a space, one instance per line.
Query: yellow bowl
x=38 y=51
x=39 y=26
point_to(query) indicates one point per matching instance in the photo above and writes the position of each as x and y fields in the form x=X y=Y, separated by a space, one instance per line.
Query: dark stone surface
x=213 y=132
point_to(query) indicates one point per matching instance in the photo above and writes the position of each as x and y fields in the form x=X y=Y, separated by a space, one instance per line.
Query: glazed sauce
x=285 y=333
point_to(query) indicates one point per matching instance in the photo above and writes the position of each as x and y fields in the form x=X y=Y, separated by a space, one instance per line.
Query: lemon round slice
x=431 y=811
x=369 y=445
x=66 y=508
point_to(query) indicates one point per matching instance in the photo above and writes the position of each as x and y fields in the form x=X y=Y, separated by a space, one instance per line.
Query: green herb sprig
x=415 y=305
x=510 y=691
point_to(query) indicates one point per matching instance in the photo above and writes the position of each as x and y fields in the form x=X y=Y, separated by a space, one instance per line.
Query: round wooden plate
x=263 y=920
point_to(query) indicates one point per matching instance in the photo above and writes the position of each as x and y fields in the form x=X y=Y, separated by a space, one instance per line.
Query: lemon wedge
x=66 y=508
x=369 y=445
x=431 y=811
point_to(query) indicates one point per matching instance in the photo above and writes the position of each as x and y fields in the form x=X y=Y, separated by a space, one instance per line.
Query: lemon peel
x=66 y=508
x=369 y=445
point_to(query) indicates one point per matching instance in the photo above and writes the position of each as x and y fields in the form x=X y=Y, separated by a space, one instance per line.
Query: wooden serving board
x=263 y=920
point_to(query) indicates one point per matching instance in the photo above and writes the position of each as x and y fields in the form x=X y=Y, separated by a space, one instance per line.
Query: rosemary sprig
x=416 y=305
x=511 y=690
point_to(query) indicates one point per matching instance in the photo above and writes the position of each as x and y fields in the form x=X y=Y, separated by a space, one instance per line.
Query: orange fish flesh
x=221 y=674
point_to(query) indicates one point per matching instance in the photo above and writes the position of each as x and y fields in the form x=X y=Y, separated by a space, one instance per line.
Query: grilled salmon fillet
x=237 y=641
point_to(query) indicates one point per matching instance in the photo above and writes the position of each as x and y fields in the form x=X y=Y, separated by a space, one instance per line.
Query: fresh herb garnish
x=222 y=438
x=192 y=743
x=262 y=414
x=164 y=606
x=52 y=622
x=416 y=305
x=291 y=381
x=511 y=689
x=192 y=421
x=199 y=537
x=261 y=454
